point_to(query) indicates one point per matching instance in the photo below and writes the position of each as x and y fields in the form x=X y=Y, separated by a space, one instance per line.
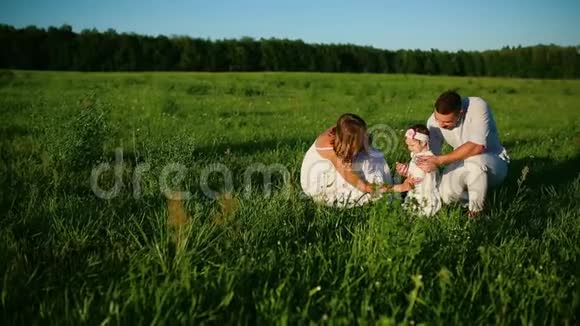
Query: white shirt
x=476 y=125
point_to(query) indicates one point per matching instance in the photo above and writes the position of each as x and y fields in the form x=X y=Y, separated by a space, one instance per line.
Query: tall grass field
x=140 y=198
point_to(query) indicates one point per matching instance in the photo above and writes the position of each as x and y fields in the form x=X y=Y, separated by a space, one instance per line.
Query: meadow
x=243 y=255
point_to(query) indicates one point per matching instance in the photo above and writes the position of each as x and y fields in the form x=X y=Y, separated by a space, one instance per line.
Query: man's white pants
x=471 y=178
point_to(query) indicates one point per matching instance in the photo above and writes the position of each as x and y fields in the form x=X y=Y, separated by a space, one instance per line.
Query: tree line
x=60 y=48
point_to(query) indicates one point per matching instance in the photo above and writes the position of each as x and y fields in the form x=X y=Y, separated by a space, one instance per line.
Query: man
x=478 y=160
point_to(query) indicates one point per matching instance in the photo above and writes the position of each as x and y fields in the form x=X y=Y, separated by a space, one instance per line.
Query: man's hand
x=402 y=169
x=461 y=153
x=428 y=163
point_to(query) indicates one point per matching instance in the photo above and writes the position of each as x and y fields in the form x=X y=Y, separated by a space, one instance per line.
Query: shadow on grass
x=525 y=207
x=220 y=152
x=545 y=171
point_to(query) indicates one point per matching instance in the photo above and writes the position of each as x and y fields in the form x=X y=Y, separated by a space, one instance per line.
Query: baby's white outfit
x=424 y=199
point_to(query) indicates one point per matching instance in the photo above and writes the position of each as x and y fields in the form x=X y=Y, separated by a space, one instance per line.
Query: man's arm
x=461 y=153
x=477 y=127
x=467 y=150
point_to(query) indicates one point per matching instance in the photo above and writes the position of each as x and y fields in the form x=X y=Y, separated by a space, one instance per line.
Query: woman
x=341 y=169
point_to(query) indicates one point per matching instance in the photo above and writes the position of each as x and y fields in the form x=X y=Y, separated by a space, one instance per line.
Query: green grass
x=67 y=256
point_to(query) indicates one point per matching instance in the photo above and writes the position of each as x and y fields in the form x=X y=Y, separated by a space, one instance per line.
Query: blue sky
x=388 y=24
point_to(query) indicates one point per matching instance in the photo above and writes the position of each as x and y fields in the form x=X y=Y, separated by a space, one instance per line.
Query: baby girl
x=424 y=198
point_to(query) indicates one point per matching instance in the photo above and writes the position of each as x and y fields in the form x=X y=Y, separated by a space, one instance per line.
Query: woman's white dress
x=321 y=181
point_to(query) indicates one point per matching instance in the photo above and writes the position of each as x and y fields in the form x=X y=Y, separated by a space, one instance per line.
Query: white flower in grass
x=314 y=290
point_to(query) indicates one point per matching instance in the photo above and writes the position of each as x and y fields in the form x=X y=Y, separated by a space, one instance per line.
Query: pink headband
x=412 y=134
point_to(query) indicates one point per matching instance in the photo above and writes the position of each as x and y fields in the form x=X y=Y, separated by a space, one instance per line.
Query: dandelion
x=524 y=176
x=314 y=291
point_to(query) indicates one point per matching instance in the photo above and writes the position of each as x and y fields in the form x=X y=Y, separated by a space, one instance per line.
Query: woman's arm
x=350 y=175
x=325 y=141
x=354 y=179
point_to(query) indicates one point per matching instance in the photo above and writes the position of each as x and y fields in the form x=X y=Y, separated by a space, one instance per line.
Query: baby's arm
x=407 y=185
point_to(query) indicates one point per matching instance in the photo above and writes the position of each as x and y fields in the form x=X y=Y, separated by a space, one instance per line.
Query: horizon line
x=256 y=38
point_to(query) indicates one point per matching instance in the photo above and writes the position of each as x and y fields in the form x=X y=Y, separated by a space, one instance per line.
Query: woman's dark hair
x=350 y=133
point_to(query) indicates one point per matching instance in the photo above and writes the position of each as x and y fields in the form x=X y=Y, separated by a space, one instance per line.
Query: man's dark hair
x=448 y=102
x=420 y=128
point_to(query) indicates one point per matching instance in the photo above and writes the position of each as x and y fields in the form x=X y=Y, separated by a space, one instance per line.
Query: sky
x=389 y=24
